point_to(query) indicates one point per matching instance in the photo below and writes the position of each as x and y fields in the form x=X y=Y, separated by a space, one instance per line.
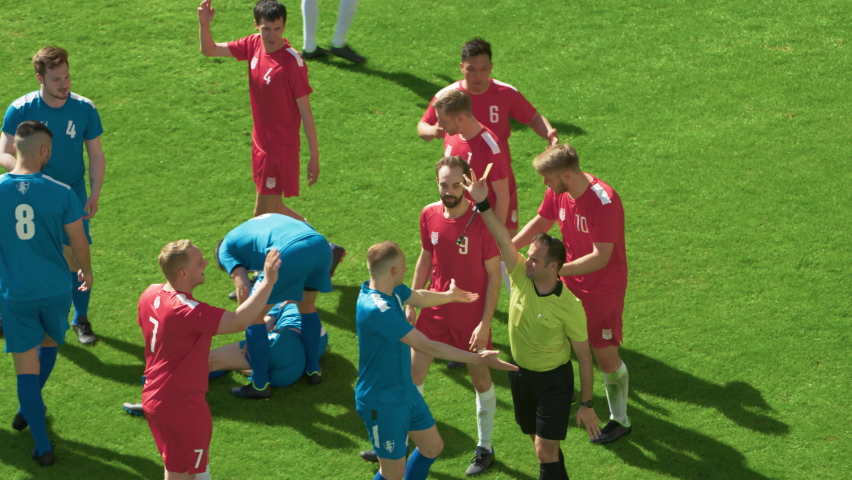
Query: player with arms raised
x=279 y=89
x=74 y=122
x=178 y=330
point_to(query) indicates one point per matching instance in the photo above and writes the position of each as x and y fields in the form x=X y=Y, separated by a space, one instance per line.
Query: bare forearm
x=492 y=295
x=442 y=350
x=205 y=39
x=80 y=249
x=587 y=379
x=251 y=311
x=97 y=170
x=427 y=299
x=310 y=130
x=426 y=131
x=584 y=265
x=501 y=209
x=7 y=161
x=421 y=271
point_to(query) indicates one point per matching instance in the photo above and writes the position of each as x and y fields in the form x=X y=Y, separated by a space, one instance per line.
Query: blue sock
x=216 y=374
x=79 y=299
x=257 y=344
x=311 y=327
x=47 y=359
x=379 y=476
x=29 y=394
x=418 y=466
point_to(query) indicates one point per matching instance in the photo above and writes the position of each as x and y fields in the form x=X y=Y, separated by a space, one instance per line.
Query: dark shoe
x=315 y=378
x=612 y=432
x=45 y=460
x=348 y=54
x=337 y=255
x=369 y=456
x=319 y=52
x=20 y=423
x=251 y=393
x=482 y=459
x=454 y=365
x=85 y=335
x=133 y=409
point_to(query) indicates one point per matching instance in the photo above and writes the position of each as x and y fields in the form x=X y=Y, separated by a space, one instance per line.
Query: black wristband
x=483 y=205
x=587 y=404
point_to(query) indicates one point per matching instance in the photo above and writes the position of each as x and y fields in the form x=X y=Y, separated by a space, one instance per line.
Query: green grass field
x=723 y=125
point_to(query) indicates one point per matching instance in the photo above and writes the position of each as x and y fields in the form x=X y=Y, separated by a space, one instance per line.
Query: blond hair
x=174 y=257
x=49 y=57
x=557 y=159
x=381 y=256
x=453 y=102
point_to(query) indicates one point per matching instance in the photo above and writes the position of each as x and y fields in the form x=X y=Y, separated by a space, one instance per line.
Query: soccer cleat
x=315 y=378
x=612 y=432
x=233 y=295
x=251 y=393
x=317 y=53
x=85 y=335
x=454 y=365
x=369 y=456
x=337 y=255
x=133 y=409
x=45 y=460
x=19 y=423
x=348 y=54
x=482 y=460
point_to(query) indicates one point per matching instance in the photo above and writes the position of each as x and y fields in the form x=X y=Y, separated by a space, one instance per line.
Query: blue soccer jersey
x=71 y=124
x=33 y=212
x=247 y=244
x=384 y=362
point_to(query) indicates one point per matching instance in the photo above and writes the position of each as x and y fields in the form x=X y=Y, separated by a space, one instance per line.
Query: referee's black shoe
x=612 y=432
x=249 y=392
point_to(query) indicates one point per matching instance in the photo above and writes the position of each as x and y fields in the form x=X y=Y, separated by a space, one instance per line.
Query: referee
x=545 y=321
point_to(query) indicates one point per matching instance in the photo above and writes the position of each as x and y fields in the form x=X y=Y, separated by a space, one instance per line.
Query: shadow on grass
x=566 y=130
x=738 y=401
x=86 y=359
x=346 y=303
x=423 y=88
x=323 y=413
x=95 y=461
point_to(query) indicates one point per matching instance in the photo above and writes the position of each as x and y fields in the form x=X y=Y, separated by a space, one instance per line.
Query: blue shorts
x=79 y=189
x=305 y=263
x=388 y=428
x=287 y=356
x=25 y=323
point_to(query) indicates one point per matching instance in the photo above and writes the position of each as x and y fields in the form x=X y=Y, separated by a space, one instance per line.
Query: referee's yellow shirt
x=540 y=326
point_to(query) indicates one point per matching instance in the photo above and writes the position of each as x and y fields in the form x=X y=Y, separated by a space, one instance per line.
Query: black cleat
x=317 y=53
x=45 y=460
x=315 y=378
x=338 y=253
x=348 y=54
x=482 y=460
x=454 y=365
x=251 y=393
x=133 y=409
x=19 y=423
x=612 y=432
x=369 y=456
x=85 y=335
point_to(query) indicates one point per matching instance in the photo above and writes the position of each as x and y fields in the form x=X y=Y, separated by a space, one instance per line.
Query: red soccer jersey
x=479 y=151
x=464 y=263
x=596 y=217
x=276 y=80
x=492 y=109
x=177 y=331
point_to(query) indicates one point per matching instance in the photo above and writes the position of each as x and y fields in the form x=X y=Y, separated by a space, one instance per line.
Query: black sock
x=549 y=471
x=562 y=466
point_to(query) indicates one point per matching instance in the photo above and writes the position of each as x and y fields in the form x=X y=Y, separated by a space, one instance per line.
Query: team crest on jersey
x=270 y=182
x=389 y=446
x=514 y=215
x=253 y=63
x=434 y=238
x=23 y=187
x=562 y=214
x=606 y=334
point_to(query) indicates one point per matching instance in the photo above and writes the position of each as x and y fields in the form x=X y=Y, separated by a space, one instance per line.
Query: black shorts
x=543 y=400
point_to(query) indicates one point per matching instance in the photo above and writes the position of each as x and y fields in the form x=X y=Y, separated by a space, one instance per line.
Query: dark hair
x=475 y=47
x=453 y=162
x=269 y=10
x=555 y=248
x=49 y=57
x=222 y=267
x=29 y=127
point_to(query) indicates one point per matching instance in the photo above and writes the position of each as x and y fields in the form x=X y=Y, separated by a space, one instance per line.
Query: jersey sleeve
x=547 y=209
x=575 y=323
x=11 y=120
x=197 y=317
x=425 y=240
x=521 y=109
x=429 y=116
x=74 y=211
x=298 y=79
x=607 y=225
x=94 y=129
x=226 y=259
x=500 y=169
x=241 y=49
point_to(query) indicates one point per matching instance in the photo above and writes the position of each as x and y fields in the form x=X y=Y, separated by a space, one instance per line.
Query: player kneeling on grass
x=178 y=330
x=385 y=396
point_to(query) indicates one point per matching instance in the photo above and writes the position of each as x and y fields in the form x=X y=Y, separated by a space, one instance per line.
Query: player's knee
x=608 y=359
x=547 y=451
x=433 y=449
x=481 y=384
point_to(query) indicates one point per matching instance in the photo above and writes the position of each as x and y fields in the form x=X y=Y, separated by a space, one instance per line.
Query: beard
x=451 y=201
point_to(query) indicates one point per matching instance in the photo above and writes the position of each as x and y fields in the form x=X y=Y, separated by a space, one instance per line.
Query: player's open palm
x=205 y=12
x=489 y=359
x=270 y=266
x=589 y=419
x=477 y=189
x=459 y=295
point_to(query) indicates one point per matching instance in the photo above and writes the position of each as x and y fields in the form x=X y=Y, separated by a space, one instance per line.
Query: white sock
x=345 y=15
x=310 y=17
x=506 y=281
x=486 y=407
x=420 y=388
x=205 y=475
x=616 y=394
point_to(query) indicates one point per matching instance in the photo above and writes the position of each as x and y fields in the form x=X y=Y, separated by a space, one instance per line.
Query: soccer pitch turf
x=722 y=125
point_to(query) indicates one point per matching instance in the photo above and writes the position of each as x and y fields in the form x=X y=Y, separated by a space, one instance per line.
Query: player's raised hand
x=477 y=189
x=270 y=266
x=479 y=338
x=313 y=169
x=205 y=12
x=552 y=138
x=86 y=278
x=439 y=132
x=458 y=295
x=490 y=360
x=590 y=420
